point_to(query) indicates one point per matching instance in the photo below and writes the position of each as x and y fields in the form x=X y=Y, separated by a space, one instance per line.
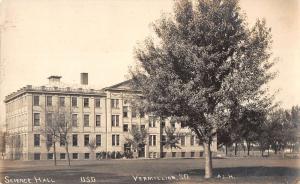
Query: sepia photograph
x=150 y=91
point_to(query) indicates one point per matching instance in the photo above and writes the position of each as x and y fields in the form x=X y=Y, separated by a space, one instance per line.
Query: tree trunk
x=226 y=150
x=235 y=149
x=68 y=155
x=208 y=161
x=262 y=152
x=248 y=148
x=54 y=153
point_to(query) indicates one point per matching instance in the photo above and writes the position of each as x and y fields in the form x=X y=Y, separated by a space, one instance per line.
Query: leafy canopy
x=203 y=58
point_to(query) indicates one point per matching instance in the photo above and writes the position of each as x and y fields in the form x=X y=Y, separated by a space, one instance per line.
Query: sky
x=40 y=38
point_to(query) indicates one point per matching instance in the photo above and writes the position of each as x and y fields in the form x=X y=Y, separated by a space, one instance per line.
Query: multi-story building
x=105 y=116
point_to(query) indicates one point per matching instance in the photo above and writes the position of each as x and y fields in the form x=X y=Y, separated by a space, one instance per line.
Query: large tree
x=203 y=59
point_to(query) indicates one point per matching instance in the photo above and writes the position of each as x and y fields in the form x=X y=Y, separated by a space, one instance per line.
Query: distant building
x=104 y=115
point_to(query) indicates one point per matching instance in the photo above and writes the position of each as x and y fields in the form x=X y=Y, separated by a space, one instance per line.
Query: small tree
x=137 y=138
x=58 y=129
x=51 y=133
x=92 y=146
x=172 y=138
x=224 y=139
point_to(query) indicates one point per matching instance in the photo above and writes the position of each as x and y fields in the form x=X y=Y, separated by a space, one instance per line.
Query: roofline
x=53 y=90
x=118 y=84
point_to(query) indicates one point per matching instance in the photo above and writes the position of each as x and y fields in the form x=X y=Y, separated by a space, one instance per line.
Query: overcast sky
x=40 y=38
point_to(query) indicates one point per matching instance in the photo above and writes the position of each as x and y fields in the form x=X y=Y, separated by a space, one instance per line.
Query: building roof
x=74 y=89
x=122 y=86
x=54 y=90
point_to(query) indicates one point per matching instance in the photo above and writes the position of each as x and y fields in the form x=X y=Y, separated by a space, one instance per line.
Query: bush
x=128 y=154
x=113 y=155
x=119 y=155
x=108 y=155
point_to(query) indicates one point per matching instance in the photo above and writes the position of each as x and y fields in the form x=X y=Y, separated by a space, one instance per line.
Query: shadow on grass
x=249 y=171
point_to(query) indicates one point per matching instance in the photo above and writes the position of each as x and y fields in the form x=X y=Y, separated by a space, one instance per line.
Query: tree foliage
x=172 y=138
x=137 y=138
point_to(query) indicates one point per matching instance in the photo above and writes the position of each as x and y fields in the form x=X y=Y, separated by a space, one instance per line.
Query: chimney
x=84 y=78
x=54 y=79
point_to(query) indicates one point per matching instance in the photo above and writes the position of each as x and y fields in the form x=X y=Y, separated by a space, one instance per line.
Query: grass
x=230 y=170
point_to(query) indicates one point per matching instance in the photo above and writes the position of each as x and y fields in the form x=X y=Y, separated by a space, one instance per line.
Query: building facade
x=104 y=116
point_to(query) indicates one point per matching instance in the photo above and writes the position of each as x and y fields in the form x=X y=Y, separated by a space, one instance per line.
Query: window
x=97 y=102
x=133 y=127
x=143 y=127
x=49 y=119
x=74 y=120
x=49 y=100
x=173 y=154
x=36 y=139
x=75 y=156
x=125 y=127
x=62 y=156
x=75 y=140
x=62 y=118
x=163 y=139
x=62 y=101
x=163 y=123
x=152 y=140
x=98 y=120
x=182 y=125
x=182 y=154
x=115 y=140
x=182 y=140
x=199 y=142
x=37 y=156
x=86 y=119
x=115 y=103
x=125 y=111
x=86 y=140
x=133 y=112
x=201 y=154
x=173 y=124
x=36 y=119
x=49 y=140
x=86 y=155
x=85 y=102
x=74 y=101
x=50 y=156
x=62 y=140
x=98 y=140
x=192 y=154
x=192 y=140
x=151 y=121
x=142 y=114
x=36 y=100
x=115 y=120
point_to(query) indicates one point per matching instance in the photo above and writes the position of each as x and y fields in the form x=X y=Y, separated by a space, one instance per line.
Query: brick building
x=103 y=115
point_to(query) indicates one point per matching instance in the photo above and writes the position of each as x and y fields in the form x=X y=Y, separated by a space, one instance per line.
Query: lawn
x=230 y=170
